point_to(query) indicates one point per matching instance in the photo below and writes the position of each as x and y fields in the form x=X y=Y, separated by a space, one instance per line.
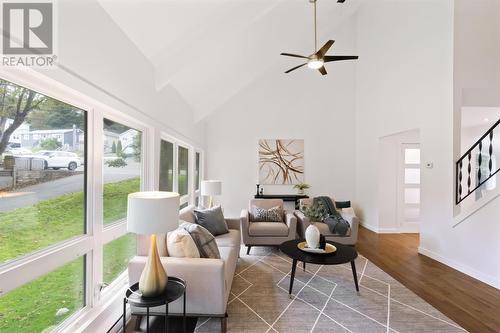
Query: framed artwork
x=281 y=161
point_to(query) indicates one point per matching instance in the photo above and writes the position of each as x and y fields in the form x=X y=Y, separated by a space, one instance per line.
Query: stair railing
x=481 y=154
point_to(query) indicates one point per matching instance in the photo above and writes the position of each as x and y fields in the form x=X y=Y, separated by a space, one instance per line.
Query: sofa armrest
x=291 y=222
x=204 y=279
x=233 y=223
x=244 y=220
x=353 y=222
x=302 y=223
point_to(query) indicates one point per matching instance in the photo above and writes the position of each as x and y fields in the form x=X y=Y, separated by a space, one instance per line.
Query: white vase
x=312 y=237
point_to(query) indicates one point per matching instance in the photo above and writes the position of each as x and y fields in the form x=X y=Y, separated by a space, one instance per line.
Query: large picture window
x=121 y=170
x=42 y=171
x=63 y=232
x=42 y=304
x=183 y=170
x=166 y=166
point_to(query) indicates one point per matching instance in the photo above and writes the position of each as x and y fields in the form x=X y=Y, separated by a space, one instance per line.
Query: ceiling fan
x=318 y=59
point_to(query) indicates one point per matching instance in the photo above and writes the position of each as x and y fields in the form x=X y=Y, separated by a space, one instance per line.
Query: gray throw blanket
x=336 y=223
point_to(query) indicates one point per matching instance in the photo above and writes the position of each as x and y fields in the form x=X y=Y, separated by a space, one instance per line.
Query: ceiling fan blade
x=322 y=51
x=322 y=70
x=294 y=55
x=294 y=68
x=338 y=58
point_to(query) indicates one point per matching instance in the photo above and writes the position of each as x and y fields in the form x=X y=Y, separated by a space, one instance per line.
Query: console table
x=285 y=197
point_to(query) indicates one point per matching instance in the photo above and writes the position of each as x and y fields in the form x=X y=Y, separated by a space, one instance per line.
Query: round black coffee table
x=343 y=255
x=175 y=289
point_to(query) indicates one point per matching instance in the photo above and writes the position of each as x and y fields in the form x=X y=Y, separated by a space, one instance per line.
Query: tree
x=54 y=114
x=113 y=147
x=15 y=103
x=119 y=149
x=137 y=147
x=50 y=144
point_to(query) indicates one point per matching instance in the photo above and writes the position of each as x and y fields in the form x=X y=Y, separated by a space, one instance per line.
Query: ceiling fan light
x=315 y=63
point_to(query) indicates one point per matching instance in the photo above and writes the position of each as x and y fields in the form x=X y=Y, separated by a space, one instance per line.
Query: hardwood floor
x=472 y=304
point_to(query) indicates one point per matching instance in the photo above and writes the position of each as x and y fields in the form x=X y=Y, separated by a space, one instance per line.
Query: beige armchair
x=266 y=233
x=347 y=213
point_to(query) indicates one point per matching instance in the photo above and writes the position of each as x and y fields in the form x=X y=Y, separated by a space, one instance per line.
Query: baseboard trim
x=485 y=278
x=370 y=227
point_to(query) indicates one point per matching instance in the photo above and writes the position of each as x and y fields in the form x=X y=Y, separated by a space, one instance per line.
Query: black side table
x=175 y=289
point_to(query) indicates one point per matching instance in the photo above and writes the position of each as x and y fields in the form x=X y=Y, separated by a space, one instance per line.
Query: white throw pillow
x=181 y=245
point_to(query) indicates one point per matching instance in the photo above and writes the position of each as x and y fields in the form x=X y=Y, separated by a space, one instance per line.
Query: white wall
x=300 y=105
x=405 y=80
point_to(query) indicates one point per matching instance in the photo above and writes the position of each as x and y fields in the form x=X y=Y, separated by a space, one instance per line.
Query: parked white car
x=60 y=159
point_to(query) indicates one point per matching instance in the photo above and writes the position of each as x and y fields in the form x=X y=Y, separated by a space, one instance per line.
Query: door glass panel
x=411 y=213
x=412 y=176
x=42 y=304
x=412 y=195
x=412 y=156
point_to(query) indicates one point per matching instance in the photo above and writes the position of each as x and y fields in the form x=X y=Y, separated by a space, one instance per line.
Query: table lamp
x=151 y=213
x=211 y=188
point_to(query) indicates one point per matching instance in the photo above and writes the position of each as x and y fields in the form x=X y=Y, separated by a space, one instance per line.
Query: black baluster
x=460 y=180
x=490 y=164
x=469 y=168
x=479 y=160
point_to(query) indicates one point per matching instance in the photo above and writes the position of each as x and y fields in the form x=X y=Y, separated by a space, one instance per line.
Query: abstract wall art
x=281 y=161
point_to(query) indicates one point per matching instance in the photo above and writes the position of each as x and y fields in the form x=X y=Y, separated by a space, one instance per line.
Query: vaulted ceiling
x=210 y=49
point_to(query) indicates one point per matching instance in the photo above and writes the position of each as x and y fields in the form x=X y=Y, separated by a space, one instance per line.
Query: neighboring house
x=17 y=135
x=127 y=139
x=109 y=138
x=71 y=139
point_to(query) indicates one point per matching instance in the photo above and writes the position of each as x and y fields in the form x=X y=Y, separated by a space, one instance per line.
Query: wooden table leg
x=304 y=265
x=292 y=276
x=355 y=275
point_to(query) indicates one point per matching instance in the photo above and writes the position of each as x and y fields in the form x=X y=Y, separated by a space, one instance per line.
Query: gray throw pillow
x=204 y=240
x=274 y=214
x=212 y=219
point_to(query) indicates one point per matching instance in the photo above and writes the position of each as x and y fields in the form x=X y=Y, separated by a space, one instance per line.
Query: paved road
x=32 y=194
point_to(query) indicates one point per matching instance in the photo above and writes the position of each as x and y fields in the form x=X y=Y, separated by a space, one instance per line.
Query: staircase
x=477 y=168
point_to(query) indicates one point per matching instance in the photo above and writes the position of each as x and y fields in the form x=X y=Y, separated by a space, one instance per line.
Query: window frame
x=22 y=270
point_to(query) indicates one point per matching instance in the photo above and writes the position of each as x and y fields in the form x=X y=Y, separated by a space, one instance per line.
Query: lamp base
x=153 y=279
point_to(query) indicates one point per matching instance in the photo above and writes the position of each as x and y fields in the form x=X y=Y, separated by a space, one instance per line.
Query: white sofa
x=208 y=280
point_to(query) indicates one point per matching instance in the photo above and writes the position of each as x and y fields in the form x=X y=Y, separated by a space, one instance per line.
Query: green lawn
x=33 y=307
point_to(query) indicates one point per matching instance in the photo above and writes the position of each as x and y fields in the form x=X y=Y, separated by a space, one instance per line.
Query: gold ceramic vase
x=153 y=279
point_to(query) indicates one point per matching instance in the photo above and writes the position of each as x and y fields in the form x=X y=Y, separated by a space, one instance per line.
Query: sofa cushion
x=325 y=230
x=181 y=245
x=232 y=238
x=267 y=229
x=273 y=214
x=204 y=240
x=186 y=214
x=212 y=219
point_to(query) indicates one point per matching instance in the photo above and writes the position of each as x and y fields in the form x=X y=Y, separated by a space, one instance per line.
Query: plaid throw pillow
x=204 y=240
x=274 y=214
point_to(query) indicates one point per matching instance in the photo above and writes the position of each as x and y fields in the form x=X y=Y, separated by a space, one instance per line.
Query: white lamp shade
x=152 y=212
x=211 y=187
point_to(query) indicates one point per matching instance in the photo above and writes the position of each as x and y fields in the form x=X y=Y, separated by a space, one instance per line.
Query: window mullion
x=96 y=213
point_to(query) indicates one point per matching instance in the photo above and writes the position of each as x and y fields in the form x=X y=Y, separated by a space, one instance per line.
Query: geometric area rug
x=324 y=299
